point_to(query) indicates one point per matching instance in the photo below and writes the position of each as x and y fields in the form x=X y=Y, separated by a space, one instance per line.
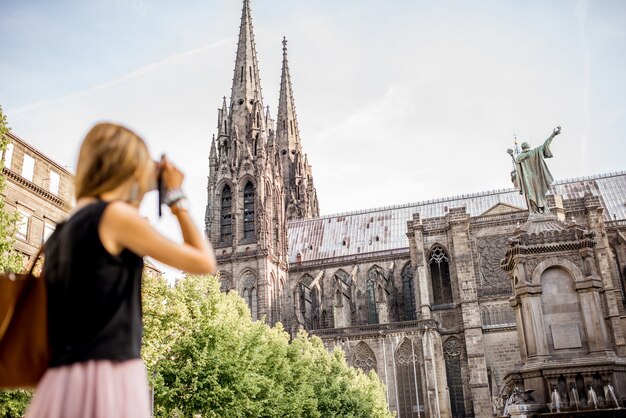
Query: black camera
x=160 y=185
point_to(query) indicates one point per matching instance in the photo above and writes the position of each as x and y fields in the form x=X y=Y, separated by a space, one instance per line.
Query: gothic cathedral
x=418 y=292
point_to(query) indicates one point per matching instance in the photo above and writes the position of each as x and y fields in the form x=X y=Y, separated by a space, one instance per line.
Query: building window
x=28 y=167
x=48 y=229
x=279 y=300
x=440 y=276
x=410 y=398
x=372 y=312
x=54 y=182
x=408 y=292
x=452 y=357
x=364 y=358
x=248 y=211
x=226 y=282
x=249 y=294
x=8 y=155
x=275 y=291
x=226 y=228
x=23 y=224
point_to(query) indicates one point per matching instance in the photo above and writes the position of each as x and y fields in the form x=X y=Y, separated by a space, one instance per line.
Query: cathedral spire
x=246 y=88
x=299 y=195
x=287 y=133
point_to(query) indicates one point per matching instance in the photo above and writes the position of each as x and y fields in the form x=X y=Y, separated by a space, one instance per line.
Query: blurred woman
x=93 y=266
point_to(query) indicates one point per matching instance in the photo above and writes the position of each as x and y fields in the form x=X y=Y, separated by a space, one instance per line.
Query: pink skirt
x=93 y=389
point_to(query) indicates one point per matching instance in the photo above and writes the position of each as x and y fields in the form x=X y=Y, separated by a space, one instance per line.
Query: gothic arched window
x=364 y=358
x=279 y=299
x=440 y=276
x=408 y=292
x=226 y=228
x=248 y=211
x=226 y=282
x=249 y=294
x=372 y=312
x=375 y=292
x=271 y=301
x=410 y=397
x=452 y=355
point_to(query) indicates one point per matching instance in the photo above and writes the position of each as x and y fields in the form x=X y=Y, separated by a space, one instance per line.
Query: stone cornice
x=52 y=198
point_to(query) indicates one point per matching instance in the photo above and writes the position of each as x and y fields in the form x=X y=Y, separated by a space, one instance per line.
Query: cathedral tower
x=245 y=217
x=300 y=195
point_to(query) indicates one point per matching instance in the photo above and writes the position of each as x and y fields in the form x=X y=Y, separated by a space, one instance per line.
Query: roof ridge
x=452 y=198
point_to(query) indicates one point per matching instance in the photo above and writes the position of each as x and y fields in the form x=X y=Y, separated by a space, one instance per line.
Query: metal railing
x=348 y=259
x=368 y=329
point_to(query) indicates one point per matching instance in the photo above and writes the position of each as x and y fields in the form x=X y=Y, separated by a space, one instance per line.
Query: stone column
x=463 y=266
x=519 y=320
x=600 y=262
x=593 y=319
x=436 y=382
x=416 y=245
x=535 y=340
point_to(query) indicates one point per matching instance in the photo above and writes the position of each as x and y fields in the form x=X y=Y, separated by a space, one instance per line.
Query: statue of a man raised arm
x=532 y=176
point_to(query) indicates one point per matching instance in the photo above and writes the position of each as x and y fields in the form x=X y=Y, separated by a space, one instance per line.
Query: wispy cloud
x=137 y=73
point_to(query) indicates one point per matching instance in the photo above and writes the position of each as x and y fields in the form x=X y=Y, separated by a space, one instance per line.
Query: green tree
x=214 y=361
x=9 y=259
x=13 y=403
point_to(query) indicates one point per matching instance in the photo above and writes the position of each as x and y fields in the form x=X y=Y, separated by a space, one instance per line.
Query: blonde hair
x=109 y=155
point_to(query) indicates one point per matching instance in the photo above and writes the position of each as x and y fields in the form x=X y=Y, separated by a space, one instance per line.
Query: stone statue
x=531 y=175
x=556 y=399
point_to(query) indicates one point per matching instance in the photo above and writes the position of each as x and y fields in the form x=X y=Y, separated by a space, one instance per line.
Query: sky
x=398 y=100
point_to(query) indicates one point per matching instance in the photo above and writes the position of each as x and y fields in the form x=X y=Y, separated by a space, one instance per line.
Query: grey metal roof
x=384 y=229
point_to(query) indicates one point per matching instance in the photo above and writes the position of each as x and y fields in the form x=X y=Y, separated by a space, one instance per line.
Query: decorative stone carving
x=226 y=283
x=490 y=251
x=248 y=282
x=406 y=354
x=452 y=347
x=364 y=357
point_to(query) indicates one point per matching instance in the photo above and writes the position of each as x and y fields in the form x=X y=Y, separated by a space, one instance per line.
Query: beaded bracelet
x=173 y=195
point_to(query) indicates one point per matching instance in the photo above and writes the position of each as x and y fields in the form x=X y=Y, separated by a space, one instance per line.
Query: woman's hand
x=172 y=176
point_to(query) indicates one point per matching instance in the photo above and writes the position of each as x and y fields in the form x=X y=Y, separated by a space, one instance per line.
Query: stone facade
x=38 y=188
x=414 y=292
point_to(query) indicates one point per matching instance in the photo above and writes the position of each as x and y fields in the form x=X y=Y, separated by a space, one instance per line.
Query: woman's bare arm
x=122 y=227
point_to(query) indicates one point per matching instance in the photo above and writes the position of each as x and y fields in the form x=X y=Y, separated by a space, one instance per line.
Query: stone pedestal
x=565 y=340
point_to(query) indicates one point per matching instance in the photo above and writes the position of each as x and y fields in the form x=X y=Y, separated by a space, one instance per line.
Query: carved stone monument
x=563 y=297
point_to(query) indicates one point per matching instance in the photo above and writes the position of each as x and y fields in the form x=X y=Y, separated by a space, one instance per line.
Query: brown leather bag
x=24 y=347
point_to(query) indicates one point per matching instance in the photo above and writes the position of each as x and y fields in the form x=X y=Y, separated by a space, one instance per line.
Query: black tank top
x=94 y=297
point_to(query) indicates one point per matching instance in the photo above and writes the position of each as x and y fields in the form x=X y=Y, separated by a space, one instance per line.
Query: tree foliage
x=9 y=259
x=206 y=357
x=13 y=403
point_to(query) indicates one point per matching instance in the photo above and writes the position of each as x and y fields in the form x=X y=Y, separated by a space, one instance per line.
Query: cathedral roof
x=384 y=229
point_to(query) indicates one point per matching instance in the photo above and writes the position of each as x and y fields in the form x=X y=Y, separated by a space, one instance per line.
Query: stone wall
x=40 y=203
